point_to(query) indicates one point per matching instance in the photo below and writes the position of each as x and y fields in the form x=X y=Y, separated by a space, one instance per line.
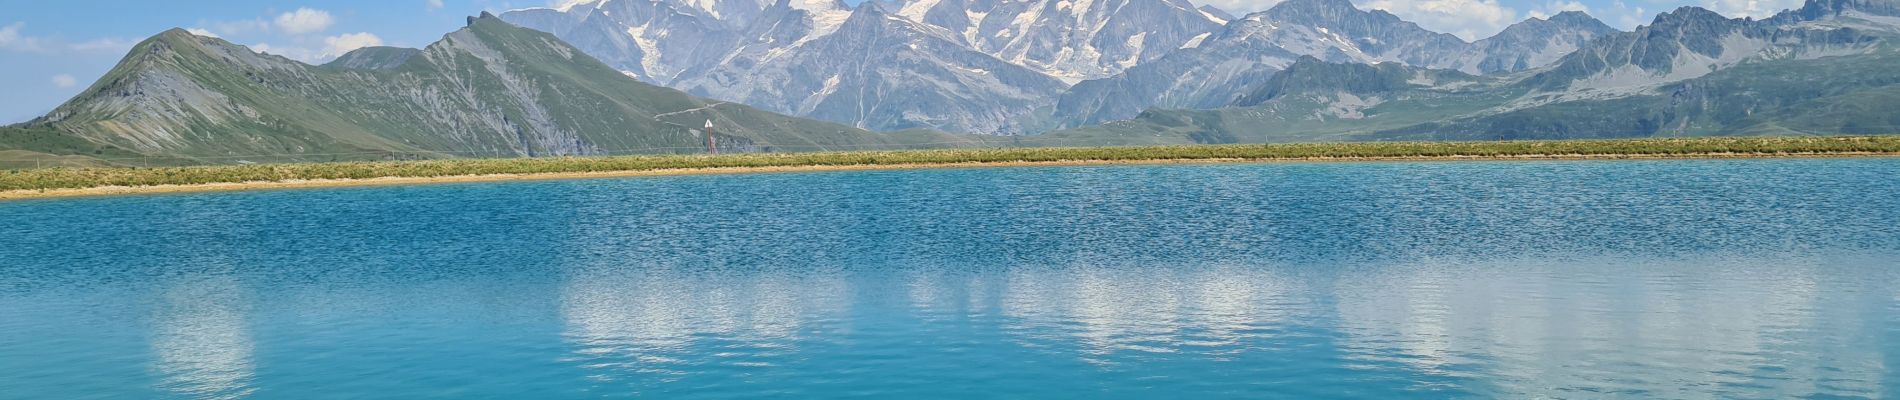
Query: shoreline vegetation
x=74 y=182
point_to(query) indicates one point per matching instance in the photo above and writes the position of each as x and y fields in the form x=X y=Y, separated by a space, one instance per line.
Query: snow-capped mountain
x=1072 y=40
x=653 y=41
x=1305 y=70
x=955 y=65
x=1009 y=66
x=877 y=71
x=1214 y=71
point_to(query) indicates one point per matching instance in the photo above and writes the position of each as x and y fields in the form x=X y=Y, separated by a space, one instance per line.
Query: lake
x=1585 y=279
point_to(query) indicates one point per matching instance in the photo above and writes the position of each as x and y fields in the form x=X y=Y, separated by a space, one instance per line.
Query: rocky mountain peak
x=868 y=15
x=1688 y=16
x=1375 y=30
x=1536 y=29
x=1535 y=42
x=1575 y=19
x=1217 y=12
x=173 y=33
x=1313 y=8
x=1815 y=10
x=1341 y=14
x=869 y=9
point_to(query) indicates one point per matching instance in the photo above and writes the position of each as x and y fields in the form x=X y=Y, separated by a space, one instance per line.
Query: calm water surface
x=1639 y=279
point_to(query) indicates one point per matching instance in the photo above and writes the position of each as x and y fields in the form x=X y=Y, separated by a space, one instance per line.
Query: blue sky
x=50 y=50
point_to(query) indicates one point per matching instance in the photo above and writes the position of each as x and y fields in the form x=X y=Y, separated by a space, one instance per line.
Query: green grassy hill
x=488 y=90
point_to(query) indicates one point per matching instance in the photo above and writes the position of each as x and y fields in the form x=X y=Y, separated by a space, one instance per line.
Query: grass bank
x=77 y=181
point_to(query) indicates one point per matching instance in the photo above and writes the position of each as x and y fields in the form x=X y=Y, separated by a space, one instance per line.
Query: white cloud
x=1622 y=16
x=337 y=45
x=304 y=20
x=10 y=38
x=65 y=81
x=201 y=32
x=1469 y=19
x=435 y=4
x=234 y=28
x=333 y=47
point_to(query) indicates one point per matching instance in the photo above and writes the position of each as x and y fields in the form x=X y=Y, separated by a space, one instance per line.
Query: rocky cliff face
x=876 y=71
x=1691 y=42
x=1069 y=40
x=1874 y=14
x=654 y=41
x=1310 y=76
x=1532 y=43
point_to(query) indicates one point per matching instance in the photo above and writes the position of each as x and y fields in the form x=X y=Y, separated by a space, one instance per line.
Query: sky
x=51 y=50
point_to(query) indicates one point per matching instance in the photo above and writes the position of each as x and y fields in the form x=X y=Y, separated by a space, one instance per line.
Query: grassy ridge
x=59 y=178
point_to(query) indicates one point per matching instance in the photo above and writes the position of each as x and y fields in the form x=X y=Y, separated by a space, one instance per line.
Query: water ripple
x=1665 y=279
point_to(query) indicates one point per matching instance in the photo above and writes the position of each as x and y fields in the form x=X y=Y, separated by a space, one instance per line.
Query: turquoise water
x=1642 y=279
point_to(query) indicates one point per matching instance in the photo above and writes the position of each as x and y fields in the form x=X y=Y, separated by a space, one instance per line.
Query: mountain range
x=1826 y=68
x=624 y=76
x=1009 y=66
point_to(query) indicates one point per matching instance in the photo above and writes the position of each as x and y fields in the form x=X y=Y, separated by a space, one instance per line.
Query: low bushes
x=55 y=178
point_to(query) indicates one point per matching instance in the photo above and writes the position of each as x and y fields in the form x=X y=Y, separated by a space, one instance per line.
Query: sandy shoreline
x=393 y=181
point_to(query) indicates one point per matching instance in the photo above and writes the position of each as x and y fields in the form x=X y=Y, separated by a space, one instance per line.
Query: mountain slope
x=1214 y=71
x=1824 y=69
x=654 y=41
x=1011 y=66
x=877 y=71
x=954 y=65
x=374 y=58
x=1688 y=43
x=1069 y=40
x=1852 y=94
x=1312 y=100
x=1533 y=43
x=491 y=89
x=1310 y=76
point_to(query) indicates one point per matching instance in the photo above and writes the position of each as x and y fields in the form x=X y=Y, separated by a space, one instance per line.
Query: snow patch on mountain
x=1196 y=41
x=915 y=10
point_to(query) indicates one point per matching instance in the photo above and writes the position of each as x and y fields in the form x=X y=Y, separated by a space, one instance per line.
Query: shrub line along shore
x=70 y=182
